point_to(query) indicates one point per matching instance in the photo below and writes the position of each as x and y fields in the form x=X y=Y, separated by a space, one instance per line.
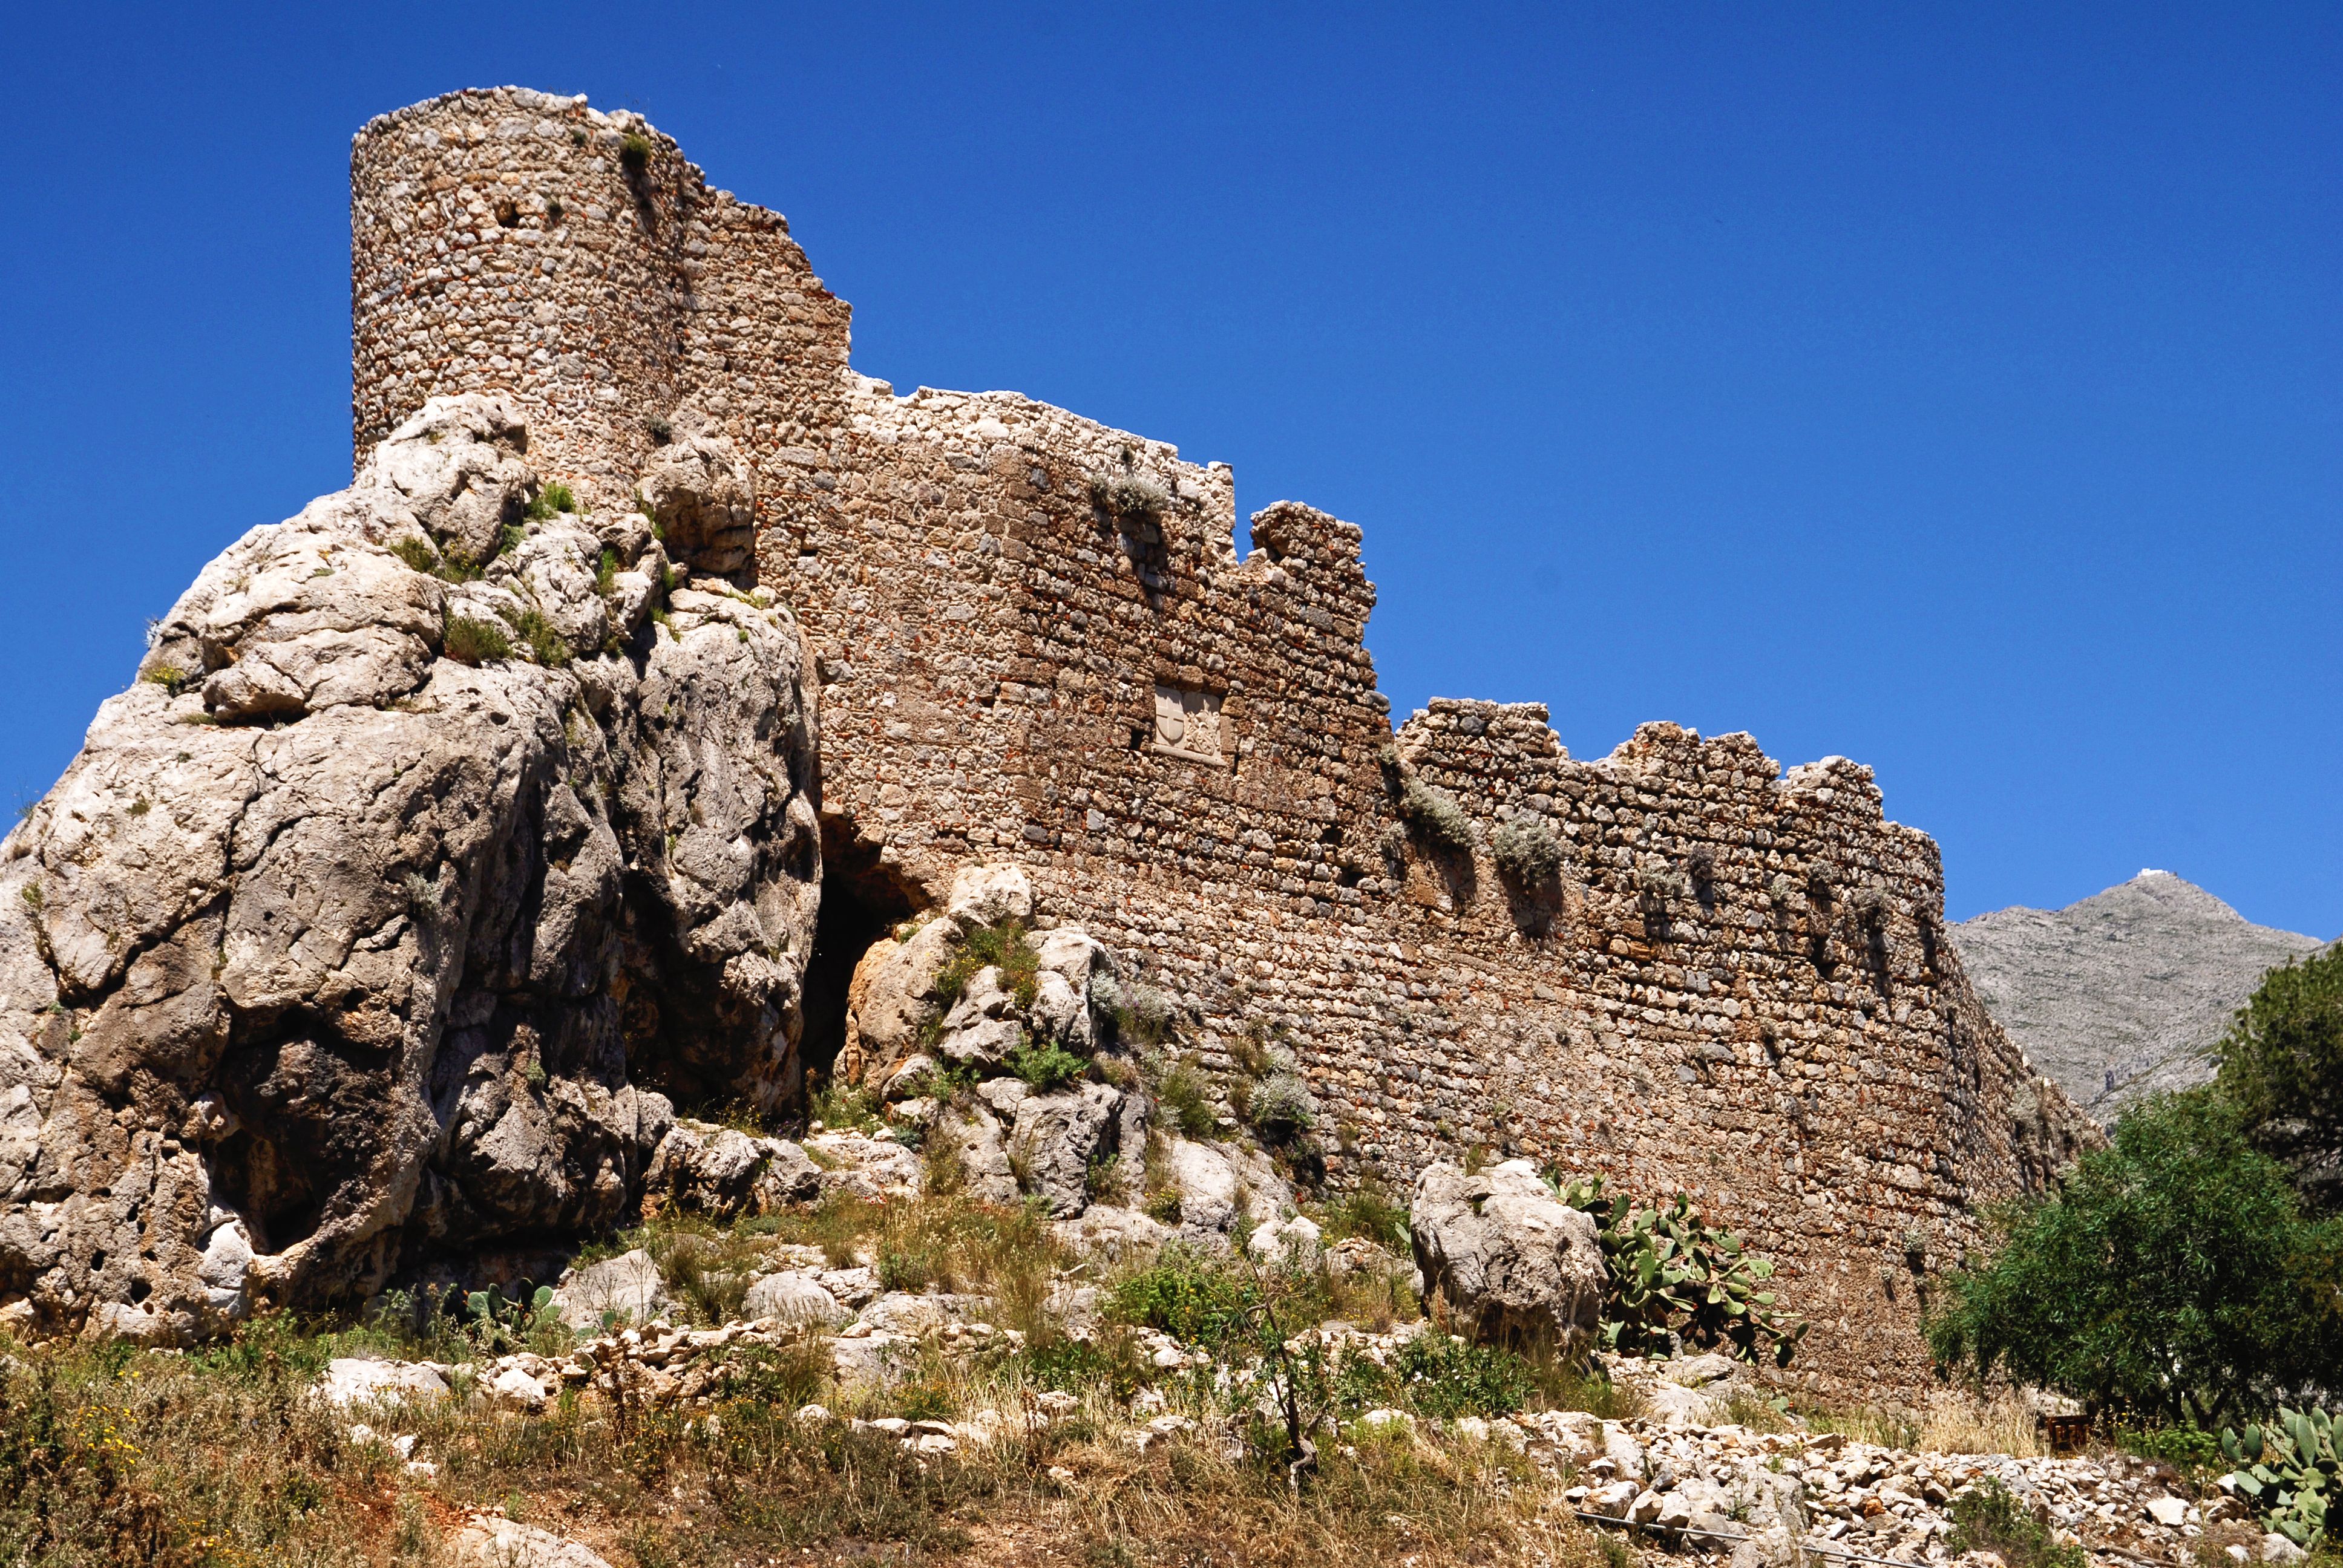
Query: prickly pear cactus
x=2288 y=1472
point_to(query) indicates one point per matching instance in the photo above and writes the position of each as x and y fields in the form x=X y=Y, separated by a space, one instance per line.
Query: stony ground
x=889 y=1371
x=901 y=1378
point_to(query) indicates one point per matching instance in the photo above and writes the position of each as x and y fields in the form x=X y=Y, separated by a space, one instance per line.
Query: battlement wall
x=1037 y=642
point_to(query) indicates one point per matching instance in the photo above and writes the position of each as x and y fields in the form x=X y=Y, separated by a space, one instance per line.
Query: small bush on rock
x=1045 y=1065
x=1143 y=1014
x=550 y=502
x=1181 y=1089
x=169 y=677
x=417 y=552
x=1281 y=1105
x=549 y=647
x=1002 y=945
x=469 y=641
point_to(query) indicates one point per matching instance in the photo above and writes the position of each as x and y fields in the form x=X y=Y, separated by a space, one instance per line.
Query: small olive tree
x=2172 y=1277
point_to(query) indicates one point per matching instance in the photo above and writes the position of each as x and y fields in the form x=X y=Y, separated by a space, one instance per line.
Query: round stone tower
x=508 y=239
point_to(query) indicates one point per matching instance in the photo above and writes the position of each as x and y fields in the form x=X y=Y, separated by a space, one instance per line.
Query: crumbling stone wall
x=1038 y=642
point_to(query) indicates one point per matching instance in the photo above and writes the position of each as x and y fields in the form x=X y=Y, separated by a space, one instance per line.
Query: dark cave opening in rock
x=861 y=901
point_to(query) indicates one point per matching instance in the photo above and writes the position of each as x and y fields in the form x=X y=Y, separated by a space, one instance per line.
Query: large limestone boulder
x=888 y=1004
x=724 y=1173
x=380 y=918
x=1057 y=1138
x=795 y=1298
x=1514 y=1263
x=627 y=1288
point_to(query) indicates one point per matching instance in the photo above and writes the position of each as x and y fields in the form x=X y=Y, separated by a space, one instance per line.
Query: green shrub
x=606 y=573
x=1526 y=851
x=1183 y=1091
x=2172 y=1276
x=1436 y=814
x=1442 y=1377
x=549 y=647
x=1078 y=1366
x=2183 y=1447
x=169 y=677
x=1989 y=1517
x=1367 y=1211
x=550 y=502
x=2280 y=1062
x=1194 y=1298
x=469 y=641
x=417 y=552
x=635 y=151
x=1045 y=1065
x=1002 y=945
x=1673 y=1272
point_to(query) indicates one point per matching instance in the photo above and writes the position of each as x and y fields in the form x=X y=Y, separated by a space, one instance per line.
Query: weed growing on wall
x=1434 y=814
x=1526 y=851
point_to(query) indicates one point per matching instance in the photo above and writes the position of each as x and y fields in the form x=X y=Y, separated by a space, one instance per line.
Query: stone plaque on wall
x=1188 y=724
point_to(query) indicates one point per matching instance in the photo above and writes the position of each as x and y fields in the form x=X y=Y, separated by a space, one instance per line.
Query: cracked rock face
x=351 y=942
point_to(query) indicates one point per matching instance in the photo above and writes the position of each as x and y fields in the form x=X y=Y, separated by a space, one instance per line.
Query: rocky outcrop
x=952 y=1050
x=722 y=1172
x=1511 y=1262
x=2123 y=993
x=443 y=838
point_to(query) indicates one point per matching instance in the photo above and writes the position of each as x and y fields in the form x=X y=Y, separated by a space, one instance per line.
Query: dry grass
x=116 y=1456
x=120 y=1457
x=1957 y=1422
x=1966 y=1424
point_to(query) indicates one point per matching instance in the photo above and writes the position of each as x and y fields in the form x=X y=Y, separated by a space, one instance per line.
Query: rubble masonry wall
x=1037 y=642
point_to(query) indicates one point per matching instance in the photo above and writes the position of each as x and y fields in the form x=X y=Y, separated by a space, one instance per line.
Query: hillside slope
x=2124 y=992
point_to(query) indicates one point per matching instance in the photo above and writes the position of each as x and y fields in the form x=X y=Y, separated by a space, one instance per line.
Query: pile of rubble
x=1767 y=1496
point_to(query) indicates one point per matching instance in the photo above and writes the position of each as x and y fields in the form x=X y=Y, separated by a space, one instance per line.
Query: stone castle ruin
x=1036 y=645
x=1037 y=642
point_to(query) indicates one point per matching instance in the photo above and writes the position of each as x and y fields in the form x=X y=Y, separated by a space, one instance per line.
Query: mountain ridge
x=2123 y=993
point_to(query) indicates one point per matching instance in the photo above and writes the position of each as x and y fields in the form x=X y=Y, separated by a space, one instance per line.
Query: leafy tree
x=2282 y=1064
x=2172 y=1277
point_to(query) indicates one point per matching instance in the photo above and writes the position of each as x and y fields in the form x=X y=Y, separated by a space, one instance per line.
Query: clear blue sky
x=1955 y=388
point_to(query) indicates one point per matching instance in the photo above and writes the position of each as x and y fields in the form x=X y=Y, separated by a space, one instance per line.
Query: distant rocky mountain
x=2123 y=993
